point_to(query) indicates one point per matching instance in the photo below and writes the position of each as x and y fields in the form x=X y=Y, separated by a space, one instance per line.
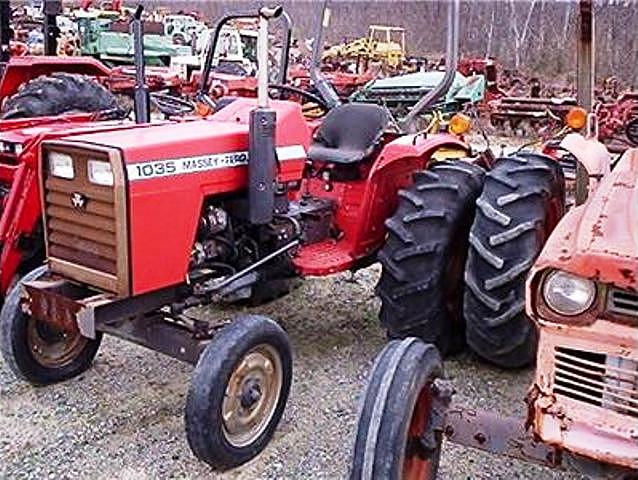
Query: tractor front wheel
x=523 y=199
x=423 y=259
x=238 y=392
x=36 y=351
x=400 y=427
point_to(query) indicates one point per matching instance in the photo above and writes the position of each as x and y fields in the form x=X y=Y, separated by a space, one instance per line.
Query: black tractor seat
x=349 y=133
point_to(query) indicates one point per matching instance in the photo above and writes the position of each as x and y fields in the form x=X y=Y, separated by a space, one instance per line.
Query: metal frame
x=494 y=433
x=212 y=45
x=137 y=319
x=512 y=436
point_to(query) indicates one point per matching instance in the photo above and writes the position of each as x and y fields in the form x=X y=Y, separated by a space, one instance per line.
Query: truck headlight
x=100 y=173
x=61 y=165
x=568 y=294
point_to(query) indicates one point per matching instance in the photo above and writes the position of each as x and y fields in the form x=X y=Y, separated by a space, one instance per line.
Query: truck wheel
x=424 y=255
x=400 y=426
x=523 y=199
x=36 y=352
x=238 y=392
x=56 y=94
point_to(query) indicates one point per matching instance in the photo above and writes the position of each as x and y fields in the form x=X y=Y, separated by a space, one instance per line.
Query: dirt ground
x=123 y=418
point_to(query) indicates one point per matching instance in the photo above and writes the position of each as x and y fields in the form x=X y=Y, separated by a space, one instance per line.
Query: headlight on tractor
x=568 y=294
x=61 y=165
x=100 y=173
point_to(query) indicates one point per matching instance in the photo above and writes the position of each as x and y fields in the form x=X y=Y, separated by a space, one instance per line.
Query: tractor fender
x=392 y=171
x=592 y=154
x=20 y=70
x=418 y=148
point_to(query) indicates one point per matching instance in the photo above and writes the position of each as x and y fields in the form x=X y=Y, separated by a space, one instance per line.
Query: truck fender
x=590 y=153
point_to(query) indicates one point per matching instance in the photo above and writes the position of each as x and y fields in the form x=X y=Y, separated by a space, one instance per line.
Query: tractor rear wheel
x=56 y=94
x=238 y=392
x=400 y=426
x=424 y=255
x=522 y=200
x=37 y=352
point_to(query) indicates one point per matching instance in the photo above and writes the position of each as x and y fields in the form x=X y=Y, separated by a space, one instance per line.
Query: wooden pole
x=585 y=80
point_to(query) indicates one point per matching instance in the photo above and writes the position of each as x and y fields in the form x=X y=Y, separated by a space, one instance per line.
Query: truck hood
x=599 y=239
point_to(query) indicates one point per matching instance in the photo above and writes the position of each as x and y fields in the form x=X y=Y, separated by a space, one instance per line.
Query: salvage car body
x=585 y=394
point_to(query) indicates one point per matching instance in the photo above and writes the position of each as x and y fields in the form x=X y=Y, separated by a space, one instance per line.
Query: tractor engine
x=227 y=243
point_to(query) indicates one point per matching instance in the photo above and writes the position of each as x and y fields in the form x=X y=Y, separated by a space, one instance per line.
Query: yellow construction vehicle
x=383 y=44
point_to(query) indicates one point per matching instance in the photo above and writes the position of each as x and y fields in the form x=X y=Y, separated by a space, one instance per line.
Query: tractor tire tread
x=57 y=94
x=430 y=218
x=508 y=233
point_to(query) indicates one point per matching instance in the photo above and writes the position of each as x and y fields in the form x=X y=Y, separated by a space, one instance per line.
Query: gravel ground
x=123 y=418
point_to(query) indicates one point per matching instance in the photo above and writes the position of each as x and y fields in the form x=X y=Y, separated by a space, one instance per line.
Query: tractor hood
x=599 y=239
x=225 y=131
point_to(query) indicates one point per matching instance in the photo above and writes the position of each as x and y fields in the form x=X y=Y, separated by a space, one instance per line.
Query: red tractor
x=618 y=122
x=41 y=105
x=232 y=207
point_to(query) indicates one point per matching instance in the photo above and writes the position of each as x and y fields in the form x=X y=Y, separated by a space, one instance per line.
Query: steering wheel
x=311 y=97
x=172 y=106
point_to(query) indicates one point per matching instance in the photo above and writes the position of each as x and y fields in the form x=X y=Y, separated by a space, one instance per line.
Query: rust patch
x=530 y=399
x=628 y=274
x=596 y=230
x=623 y=184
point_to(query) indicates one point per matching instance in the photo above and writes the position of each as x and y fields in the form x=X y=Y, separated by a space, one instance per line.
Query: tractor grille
x=81 y=225
x=623 y=302
x=607 y=381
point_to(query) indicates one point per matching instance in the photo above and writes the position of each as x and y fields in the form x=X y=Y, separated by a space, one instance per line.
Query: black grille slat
x=83 y=258
x=594 y=378
x=623 y=302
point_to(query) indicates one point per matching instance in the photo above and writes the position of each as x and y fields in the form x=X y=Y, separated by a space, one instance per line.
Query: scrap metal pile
x=377 y=68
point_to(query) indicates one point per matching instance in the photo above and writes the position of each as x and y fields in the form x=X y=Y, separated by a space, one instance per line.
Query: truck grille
x=82 y=228
x=623 y=302
x=607 y=381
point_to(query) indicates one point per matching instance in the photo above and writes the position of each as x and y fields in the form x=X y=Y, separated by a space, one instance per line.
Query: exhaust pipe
x=141 y=98
x=51 y=10
x=451 y=62
x=323 y=86
x=5 y=35
x=262 y=156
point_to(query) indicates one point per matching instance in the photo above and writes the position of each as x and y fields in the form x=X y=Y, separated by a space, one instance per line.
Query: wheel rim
x=53 y=348
x=419 y=461
x=252 y=395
